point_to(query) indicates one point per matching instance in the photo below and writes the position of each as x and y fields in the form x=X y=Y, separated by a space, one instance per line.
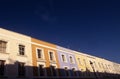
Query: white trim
x=8 y=36
x=75 y=52
x=8 y=46
x=53 y=65
x=41 y=63
x=44 y=45
x=52 y=48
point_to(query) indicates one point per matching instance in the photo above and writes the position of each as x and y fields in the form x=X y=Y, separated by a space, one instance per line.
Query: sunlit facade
x=24 y=57
x=44 y=58
x=15 y=55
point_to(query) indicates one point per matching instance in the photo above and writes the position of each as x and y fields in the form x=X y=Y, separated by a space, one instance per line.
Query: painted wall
x=12 y=57
x=67 y=53
x=81 y=64
x=46 y=48
x=12 y=53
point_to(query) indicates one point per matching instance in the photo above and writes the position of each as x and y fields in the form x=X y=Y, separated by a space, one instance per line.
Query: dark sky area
x=89 y=26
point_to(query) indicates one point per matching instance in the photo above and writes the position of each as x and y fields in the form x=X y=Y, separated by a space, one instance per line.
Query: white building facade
x=15 y=55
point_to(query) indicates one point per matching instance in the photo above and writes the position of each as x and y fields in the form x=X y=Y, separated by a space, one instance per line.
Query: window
x=41 y=70
x=79 y=72
x=71 y=59
x=21 y=69
x=53 y=71
x=39 y=53
x=2 y=67
x=79 y=60
x=95 y=64
x=21 y=49
x=84 y=62
x=63 y=58
x=99 y=64
x=106 y=66
x=3 y=46
x=109 y=67
x=102 y=65
x=66 y=71
x=51 y=55
x=74 y=72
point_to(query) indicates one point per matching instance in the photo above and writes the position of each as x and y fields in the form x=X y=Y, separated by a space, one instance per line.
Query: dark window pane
x=2 y=67
x=21 y=49
x=74 y=72
x=3 y=46
x=51 y=55
x=63 y=58
x=53 y=71
x=71 y=59
x=66 y=71
x=41 y=70
x=21 y=69
x=39 y=52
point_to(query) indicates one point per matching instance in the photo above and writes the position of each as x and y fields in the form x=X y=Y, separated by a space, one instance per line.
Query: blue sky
x=89 y=26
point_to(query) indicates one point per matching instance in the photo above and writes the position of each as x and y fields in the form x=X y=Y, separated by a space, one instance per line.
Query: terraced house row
x=24 y=57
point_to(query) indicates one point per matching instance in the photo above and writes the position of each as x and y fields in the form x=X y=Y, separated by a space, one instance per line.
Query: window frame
x=72 y=59
x=2 y=47
x=79 y=61
x=54 y=58
x=42 y=53
x=65 y=58
x=99 y=64
x=21 y=52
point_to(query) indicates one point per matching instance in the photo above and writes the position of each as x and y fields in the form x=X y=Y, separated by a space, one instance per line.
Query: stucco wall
x=12 y=53
x=67 y=53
